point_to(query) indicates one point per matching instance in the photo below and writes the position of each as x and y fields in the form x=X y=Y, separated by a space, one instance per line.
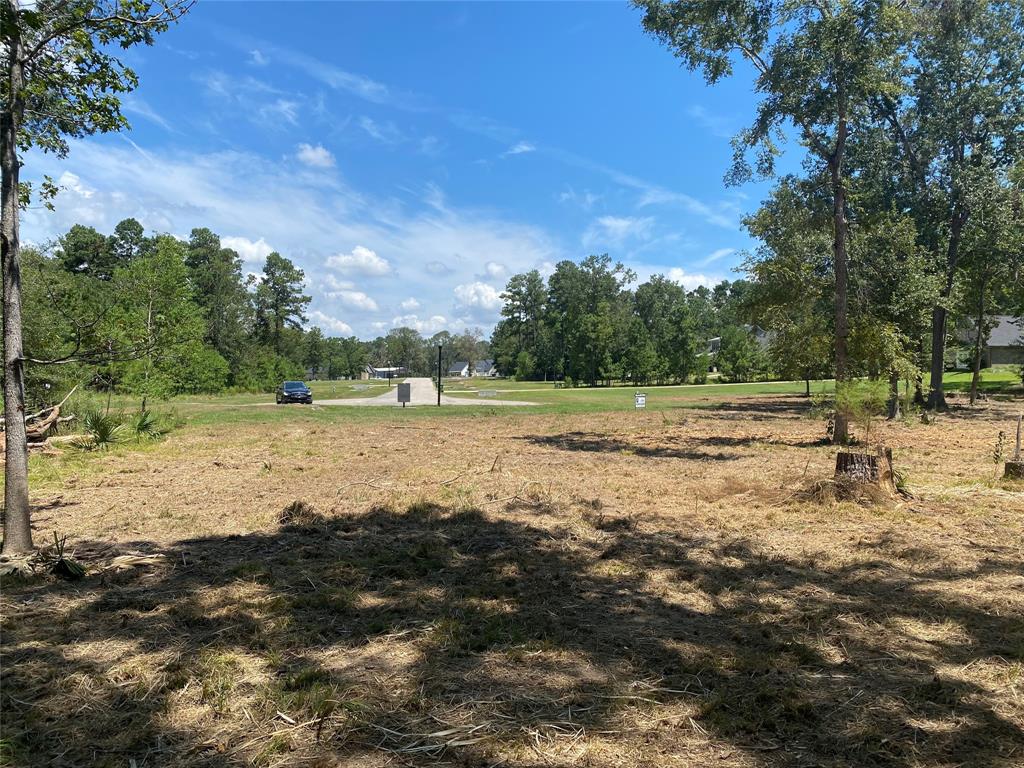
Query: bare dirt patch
x=599 y=590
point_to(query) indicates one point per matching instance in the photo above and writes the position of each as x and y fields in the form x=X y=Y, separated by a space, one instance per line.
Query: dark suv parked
x=294 y=392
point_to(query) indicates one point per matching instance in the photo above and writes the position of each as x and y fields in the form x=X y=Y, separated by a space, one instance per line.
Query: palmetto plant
x=101 y=430
x=147 y=426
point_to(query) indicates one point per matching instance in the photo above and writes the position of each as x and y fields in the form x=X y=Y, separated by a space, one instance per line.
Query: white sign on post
x=640 y=399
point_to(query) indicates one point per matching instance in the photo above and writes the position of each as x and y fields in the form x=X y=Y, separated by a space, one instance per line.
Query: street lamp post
x=438 y=375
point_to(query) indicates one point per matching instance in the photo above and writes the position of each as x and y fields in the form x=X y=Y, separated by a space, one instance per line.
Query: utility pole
x=438 y=375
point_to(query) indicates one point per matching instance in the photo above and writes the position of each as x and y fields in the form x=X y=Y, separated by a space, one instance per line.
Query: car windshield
x=293 y=385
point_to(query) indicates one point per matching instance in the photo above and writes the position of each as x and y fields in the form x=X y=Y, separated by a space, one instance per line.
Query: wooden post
x=1014 y=469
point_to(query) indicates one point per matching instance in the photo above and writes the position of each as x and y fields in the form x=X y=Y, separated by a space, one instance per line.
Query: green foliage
x=862 y=401
x=526 y=364
x=101 y=431
x=740 y=357
x=145 y=425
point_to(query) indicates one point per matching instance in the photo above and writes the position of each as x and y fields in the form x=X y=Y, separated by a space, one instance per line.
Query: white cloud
x=362 y=261
x=690 y=281
x=478 y=295
x=616 y=230
x=427 y=326
x=256 y=57
x=72 y=183
x=238 y=194
x=251 y=251
x=494 y=269
x=355 y=300
x=519 y=148
x=410 y=304
x=317 y=156
x=332 y=325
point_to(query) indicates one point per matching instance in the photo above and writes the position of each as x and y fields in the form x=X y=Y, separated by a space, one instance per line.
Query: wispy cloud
x=584 y=199
x=386 y=132
x=714 y=256
x=714 y=124
x=257 y=58
x=616 y=230
x=136 y=106
x=519 y=148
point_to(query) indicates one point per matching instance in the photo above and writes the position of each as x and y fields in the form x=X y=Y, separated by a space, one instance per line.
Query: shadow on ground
x=428 y=636
x=602 y=442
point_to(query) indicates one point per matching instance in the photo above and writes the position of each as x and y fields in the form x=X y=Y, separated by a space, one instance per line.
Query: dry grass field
x=669 y=588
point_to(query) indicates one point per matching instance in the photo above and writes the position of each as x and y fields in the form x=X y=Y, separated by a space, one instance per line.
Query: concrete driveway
x=422 y=391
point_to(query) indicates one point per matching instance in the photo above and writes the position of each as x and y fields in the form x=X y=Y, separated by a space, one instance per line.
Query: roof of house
x=373 y=368
x=1008 y=332
x=484 y=365
x=458 y=366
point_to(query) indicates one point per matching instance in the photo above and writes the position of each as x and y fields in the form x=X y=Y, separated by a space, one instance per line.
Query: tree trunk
x=937 y=393
x=807 y=389
x=894 y=395
x=841 y=433
x=17 y=527
x=979 y=339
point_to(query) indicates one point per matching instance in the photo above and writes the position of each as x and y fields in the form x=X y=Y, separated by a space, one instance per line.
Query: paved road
x=422 y=392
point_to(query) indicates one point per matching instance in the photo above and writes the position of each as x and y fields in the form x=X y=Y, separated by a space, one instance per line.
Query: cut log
x=1014 y=470
x=38 y=432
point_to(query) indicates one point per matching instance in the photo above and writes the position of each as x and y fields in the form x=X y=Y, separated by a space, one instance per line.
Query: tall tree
x=221 y=290
x=280 y=302
x=961 y=113
x=83 y=250
x=60 y=79
x=127 y=243
x=819 y=65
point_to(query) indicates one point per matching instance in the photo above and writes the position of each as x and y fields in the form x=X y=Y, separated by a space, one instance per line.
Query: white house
x=459 y=369
x=395 y=372
x=485 y=368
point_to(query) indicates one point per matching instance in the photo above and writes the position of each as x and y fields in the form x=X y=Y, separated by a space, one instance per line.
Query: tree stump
x=855 y=470
x=1014 y=470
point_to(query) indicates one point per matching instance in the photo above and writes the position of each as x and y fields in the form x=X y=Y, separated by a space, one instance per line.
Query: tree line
x=155 y=316
x=586 y=325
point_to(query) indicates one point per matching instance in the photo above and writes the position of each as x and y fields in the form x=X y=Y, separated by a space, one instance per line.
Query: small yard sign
x=640 y=399
x=404 y=393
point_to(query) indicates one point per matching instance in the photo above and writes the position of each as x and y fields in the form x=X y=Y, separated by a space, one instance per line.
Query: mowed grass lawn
x=517 y=588
x=573 y=583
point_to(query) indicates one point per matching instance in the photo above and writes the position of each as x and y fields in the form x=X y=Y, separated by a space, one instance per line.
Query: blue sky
x=411 y=157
